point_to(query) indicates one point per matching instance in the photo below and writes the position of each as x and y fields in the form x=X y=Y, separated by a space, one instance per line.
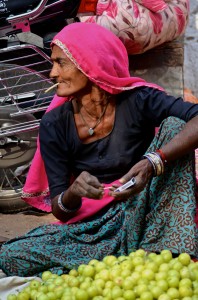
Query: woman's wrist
x=150 y=170
x=69 y=203
x=156 y=162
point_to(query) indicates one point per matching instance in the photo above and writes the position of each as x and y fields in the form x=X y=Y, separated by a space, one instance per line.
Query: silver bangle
x=63 y=208
x=156 y=162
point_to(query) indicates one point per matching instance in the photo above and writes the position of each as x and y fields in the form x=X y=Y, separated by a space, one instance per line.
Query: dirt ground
x=12 y=225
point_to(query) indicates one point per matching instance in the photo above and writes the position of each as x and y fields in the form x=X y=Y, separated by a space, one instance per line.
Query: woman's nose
x=53 y=72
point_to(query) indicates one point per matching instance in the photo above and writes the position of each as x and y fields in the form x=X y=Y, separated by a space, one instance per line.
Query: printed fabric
x=142 y=24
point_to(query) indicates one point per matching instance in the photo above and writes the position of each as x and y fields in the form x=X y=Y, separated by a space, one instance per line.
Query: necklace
x=91 y=129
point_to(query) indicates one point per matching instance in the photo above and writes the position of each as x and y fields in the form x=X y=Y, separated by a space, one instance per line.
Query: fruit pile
x=140 y=275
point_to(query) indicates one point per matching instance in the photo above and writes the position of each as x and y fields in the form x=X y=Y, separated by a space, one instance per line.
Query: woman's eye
x=61 y=64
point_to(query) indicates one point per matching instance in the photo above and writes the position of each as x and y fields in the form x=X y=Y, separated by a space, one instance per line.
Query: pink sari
x=104 y=60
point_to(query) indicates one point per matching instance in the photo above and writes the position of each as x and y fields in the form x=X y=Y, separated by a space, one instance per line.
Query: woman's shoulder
x=57 y=113
x=139 y=93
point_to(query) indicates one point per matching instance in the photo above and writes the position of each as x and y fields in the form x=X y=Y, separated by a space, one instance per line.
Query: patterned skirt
x=160 y=217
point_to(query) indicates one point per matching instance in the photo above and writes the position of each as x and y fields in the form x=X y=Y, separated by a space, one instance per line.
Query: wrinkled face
x=71 y=80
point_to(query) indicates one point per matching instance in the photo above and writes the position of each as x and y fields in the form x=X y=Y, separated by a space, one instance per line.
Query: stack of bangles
x=158 y=160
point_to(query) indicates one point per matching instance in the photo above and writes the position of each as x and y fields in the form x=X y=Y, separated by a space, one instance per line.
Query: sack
x=142 y=24
x=153 y=5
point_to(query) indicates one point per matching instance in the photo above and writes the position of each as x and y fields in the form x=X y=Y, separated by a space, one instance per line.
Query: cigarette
x=51 y=87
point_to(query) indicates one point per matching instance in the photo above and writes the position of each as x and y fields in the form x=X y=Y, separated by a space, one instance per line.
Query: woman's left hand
x=142 y=171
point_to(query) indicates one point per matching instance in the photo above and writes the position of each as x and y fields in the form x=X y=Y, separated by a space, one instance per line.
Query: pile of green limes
x=140 y=275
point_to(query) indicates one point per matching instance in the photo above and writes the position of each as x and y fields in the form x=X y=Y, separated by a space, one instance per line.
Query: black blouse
x=138 y=112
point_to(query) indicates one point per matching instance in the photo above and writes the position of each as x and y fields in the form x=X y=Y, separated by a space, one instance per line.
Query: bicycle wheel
x=22 y=100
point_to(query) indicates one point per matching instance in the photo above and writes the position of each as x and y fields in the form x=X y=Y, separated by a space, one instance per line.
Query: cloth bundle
x=142 y=24
x=13 y=285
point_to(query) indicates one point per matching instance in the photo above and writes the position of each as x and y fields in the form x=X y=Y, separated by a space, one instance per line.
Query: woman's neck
x=94 y=115
x=93 y=103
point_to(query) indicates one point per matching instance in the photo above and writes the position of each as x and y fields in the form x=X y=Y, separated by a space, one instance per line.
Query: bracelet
x=152 y=163
x=63 y=208
x=157 y=163
x=162 y=155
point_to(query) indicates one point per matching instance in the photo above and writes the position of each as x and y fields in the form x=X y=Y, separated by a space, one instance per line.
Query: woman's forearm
x=69 y=201
x=184 y=142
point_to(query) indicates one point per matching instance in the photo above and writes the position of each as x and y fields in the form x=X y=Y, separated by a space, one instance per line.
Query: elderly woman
x=100 y=134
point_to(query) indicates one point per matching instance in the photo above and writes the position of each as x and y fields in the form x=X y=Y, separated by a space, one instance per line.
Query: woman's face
x=71 y=80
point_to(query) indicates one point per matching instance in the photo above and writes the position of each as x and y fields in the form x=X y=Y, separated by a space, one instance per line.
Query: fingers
x=124 y=195
x=88 y=186
x=91 y=180
x=126 y=177
x=142 y=170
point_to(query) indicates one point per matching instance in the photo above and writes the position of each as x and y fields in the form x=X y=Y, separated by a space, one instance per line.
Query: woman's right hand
x=87 y=185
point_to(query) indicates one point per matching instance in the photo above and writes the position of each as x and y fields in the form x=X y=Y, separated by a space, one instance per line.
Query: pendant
x=91 y=131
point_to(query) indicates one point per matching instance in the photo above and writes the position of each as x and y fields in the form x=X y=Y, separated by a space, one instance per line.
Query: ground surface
x=12 y=225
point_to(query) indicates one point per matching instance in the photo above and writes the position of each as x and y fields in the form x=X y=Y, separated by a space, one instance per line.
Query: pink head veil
x=102 y=57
